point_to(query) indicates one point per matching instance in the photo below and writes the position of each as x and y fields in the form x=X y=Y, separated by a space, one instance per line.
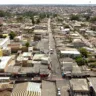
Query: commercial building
x=27 y=89
x=79 y=87
x=69 y=53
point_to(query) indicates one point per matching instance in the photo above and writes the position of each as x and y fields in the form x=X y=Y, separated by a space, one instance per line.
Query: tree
x=38 y=21
x=83 y=52
x=75 y=17
x=3 y=13
x=80 y=61
x=32 y=18
x=93 y=19
x=27 y=44
x=66 y=26
x=19 y=18
x=12 y=35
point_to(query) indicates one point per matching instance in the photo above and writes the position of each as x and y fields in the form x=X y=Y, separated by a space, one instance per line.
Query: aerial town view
x=48 y=50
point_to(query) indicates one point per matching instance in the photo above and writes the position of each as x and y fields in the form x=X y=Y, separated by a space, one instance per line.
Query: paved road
x=56 y=72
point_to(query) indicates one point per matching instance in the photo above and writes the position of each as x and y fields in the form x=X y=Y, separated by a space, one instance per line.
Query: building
x=37 y=57
x=27 y=89
x=70 y=68
x=4 y=62
x=79 y=87
x=69 y=53
x=92 y=85
x=45 y=60
x=5 y=89
x=18 y=38
x=40 y=32
x=4 y=42
x=78 y=43
x=6 y=51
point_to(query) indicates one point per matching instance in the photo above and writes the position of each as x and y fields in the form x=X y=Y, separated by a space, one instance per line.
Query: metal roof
x=27 y=89
x=4 y=61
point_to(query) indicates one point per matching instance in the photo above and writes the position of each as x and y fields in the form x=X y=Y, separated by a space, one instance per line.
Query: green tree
x=81 y=61
x=12 y=35
x=27 y=44
x=19 y=19
x=32 y=19
x=83 y=52
x=38 y=21
x=74 y=17
x=3 y=13
x=93 y=19
x=66 y=26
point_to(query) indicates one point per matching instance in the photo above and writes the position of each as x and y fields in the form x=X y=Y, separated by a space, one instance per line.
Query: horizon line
x=49 y=4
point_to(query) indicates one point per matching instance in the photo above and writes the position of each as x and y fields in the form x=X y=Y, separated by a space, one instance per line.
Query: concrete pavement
x=56 y=72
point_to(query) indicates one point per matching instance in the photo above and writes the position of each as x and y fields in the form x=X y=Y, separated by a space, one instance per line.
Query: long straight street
x=54 y=59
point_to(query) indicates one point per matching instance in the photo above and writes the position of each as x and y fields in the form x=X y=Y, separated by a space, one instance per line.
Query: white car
x=58 y=92
x=51 y=51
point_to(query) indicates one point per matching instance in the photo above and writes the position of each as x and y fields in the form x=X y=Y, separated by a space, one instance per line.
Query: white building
x=4 y=61
x=70 y=53
x=4 y=42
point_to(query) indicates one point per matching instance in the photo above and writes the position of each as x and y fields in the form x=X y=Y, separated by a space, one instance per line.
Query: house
x=23 y=58
x=37 y=57
x=66 y=30
x=6 y=51
x=40 y=32
x=82 y=30
x=18 y=38
x=78 y=43
x=70 y=68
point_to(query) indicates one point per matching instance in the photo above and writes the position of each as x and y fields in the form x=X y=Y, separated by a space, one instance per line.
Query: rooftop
x=93 y=83
x=79 y=84
x=4 y=61
x=27 y=88
x=38 y=56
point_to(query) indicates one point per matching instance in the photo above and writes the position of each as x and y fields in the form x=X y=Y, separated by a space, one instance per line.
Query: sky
x=47 y=1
